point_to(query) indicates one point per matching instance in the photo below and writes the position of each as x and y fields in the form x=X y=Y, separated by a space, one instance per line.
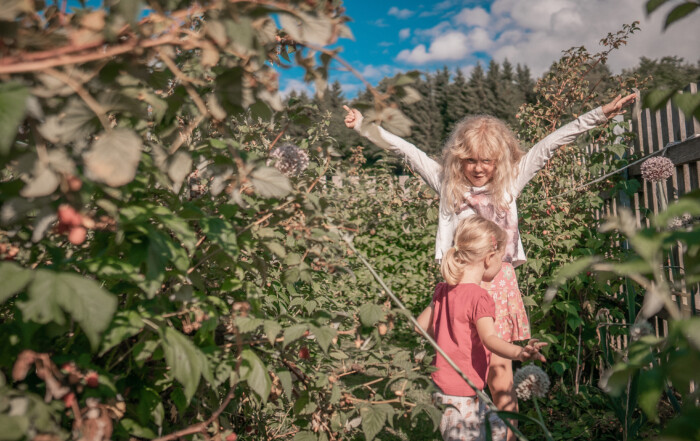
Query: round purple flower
x=289 y=159
x=658 y=168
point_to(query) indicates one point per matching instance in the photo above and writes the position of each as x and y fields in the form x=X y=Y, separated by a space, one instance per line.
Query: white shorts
x=463 y=419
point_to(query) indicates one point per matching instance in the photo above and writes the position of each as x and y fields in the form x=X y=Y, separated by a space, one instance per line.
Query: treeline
x=448 y=96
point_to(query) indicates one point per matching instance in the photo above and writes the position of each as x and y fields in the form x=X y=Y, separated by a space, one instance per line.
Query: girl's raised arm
x=500 y=347
x=427 y=168
x=540 y=153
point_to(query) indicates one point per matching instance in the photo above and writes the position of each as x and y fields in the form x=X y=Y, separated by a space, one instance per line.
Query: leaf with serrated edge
x=14 y=279
x=324 y=336
x=13 y=102
x=270 y=183
x=87 y=303
x=114 y=157
x=179 y=168
x=286 y=380
x=272 y=328
x=184 y=360
x=293 y=333
x=373 y=419
x=257 y=378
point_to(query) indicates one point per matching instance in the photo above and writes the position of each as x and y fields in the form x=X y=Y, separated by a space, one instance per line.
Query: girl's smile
x=478 y=171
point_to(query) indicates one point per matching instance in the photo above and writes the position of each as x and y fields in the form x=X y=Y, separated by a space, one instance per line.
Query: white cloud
x=450 y=46
x=404 y=33
x=400 y=13
x=379 y=23
x=535 y=32
x=435 y=31
x=467 y=70
x=478 y=40
x=370 y=71
x=443 y=5
x=298 y=87
x=473 y=17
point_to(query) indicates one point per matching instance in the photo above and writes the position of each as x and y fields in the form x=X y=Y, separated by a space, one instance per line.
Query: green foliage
x=159 y=264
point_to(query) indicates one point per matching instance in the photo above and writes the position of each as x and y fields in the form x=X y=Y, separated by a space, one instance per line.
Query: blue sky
x=393 y=36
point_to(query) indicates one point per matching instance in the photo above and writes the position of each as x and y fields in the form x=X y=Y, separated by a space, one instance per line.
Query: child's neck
x=473 y=274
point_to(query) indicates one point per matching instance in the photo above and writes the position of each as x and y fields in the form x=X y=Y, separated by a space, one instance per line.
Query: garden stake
x=480 y=393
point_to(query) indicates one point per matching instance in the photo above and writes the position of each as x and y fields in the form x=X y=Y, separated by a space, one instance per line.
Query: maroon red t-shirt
x=455 y=312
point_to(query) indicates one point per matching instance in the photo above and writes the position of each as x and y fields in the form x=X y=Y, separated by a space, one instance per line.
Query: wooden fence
x=670 y=129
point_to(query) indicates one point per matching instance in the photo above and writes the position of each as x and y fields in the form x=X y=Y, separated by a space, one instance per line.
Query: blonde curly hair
x=480 y=136
x=475 y=237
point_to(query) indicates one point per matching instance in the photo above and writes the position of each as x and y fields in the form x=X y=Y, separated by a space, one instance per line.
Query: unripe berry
x=68 y=216
x=382 y=329
x=77 y=235
x=304 y=353
x=232 y=437
x=91 y=379
x=68 y=400
x=74 y=183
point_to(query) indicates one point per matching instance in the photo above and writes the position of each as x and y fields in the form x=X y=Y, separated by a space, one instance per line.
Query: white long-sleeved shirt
x=431 y=172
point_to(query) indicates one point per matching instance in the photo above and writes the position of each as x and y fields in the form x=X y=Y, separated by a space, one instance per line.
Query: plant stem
x=539 y=414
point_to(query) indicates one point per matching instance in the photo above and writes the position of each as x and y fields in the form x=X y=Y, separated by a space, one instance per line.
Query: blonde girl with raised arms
x=461 y=319
x=483 y=171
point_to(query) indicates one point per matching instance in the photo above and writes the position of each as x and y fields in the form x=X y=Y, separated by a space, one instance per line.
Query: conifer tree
x=481 y=98
x=524 y=82
x=457 y=101
x=427 y=132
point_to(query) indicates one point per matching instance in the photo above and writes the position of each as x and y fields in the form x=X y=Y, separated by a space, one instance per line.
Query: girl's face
x=478 y=171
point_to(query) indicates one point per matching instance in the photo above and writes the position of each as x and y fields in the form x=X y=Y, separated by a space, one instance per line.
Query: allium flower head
x=289 y=159
x=657 y=168
x=530 y=381
x=680 y=222
x=639 y=330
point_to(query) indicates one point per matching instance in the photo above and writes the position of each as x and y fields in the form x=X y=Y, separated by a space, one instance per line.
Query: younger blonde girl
x=461 y=319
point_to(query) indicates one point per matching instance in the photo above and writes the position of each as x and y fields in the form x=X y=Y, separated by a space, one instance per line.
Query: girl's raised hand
x=532 y=351
x=352 y=118
x=614 y=107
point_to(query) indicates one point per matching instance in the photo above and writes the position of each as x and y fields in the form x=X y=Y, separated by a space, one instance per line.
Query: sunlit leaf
x=114 y=157
x=89 y=305
x=370 y=314
x=178 y=169
x=13 y=102
x=270 y=183
x=257 y=378
x=373 y=419
x=184 y=358
x=14 y=279
x=293 y=333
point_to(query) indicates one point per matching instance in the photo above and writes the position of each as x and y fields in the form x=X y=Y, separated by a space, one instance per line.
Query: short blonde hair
x=475 y=237
x=481 y=136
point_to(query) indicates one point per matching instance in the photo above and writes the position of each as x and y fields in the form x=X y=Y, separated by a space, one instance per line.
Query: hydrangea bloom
x=657 y=169
x=531 y=381
x=289 y=159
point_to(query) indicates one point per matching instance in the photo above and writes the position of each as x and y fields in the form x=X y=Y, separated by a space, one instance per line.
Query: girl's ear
x=488 y=260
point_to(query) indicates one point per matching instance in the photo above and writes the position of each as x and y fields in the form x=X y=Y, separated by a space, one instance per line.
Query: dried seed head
x=531 y=381
x=639 y=330
x=289 y=159
x=657 y=169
